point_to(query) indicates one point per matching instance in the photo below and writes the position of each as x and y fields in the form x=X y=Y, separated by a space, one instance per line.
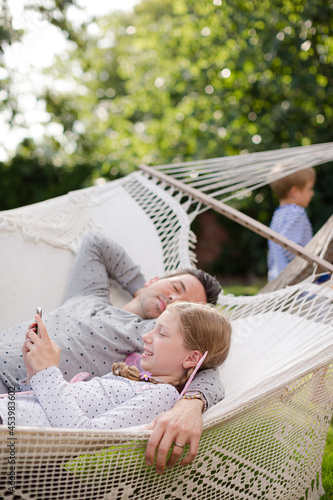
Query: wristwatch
x=196 y=395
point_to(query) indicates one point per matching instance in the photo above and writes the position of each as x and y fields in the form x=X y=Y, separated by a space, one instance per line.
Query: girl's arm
x=63 y=409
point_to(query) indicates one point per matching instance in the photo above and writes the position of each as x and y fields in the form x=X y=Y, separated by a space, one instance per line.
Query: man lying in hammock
x=92 y=334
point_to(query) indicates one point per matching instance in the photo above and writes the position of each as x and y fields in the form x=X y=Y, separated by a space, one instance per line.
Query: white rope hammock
x=298 y=269
x=213 y=182
x=264 y=440
x=232 y=177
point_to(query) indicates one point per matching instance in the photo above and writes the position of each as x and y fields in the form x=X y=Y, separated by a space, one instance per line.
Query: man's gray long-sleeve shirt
x=92 y=333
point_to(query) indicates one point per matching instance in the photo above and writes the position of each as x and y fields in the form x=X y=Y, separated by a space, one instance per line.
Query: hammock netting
x=265 y=440
x=232 y=177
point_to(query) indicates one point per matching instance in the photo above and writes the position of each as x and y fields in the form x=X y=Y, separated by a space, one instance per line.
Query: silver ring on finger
x=179 y=445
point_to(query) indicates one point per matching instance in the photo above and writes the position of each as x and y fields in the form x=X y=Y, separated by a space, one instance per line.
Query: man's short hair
x=211 y=285
x=282 y=186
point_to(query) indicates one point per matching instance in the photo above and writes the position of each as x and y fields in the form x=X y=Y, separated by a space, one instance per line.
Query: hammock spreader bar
x=240 y=218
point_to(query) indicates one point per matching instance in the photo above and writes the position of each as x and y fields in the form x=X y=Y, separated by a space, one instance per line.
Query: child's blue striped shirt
x=291 y=221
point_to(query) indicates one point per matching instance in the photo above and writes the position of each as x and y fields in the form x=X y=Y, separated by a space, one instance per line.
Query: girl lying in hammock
x=126 y=397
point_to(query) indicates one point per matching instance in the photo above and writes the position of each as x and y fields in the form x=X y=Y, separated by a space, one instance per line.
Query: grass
x=251 y=288
x=238 y=287
x=327 y=466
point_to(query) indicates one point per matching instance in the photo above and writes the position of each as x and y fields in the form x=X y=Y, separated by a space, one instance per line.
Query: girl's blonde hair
x=202 y=328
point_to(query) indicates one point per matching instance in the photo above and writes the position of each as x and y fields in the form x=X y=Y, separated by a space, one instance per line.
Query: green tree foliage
x=179 y=80
x=7 y=32
x=30 y=179
x=55 y=13
x=8 y=35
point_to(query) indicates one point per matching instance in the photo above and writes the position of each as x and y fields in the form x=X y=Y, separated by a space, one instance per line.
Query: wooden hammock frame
x=241 y=218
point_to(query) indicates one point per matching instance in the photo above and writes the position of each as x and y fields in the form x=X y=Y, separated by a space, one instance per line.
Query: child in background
x=125 y=397
x=295 y=192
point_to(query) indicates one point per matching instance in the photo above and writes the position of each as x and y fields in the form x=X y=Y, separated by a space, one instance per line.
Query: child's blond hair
x=282 y=186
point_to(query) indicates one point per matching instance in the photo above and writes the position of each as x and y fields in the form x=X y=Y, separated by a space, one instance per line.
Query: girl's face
x=165 y=355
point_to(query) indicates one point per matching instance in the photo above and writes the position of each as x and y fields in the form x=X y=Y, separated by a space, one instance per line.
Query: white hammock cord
x=265 y=439
x=323 y=251
x=238 y=175
x=216 y=177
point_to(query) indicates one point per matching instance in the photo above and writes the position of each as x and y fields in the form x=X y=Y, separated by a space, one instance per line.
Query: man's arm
x=183 y=423
x=208 y=383
x=99 y=259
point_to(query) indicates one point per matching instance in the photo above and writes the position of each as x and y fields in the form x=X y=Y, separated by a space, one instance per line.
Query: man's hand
x=25 y=351
x=182 y=425
x=39 y=352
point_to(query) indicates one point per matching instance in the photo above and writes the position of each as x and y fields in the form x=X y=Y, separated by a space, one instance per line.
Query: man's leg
x=3 y=388
x=12 y=368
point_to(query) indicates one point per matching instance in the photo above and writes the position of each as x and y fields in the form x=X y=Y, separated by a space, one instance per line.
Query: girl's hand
x=40 y=352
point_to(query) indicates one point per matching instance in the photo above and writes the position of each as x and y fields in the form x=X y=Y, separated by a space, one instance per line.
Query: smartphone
x=39 y=311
